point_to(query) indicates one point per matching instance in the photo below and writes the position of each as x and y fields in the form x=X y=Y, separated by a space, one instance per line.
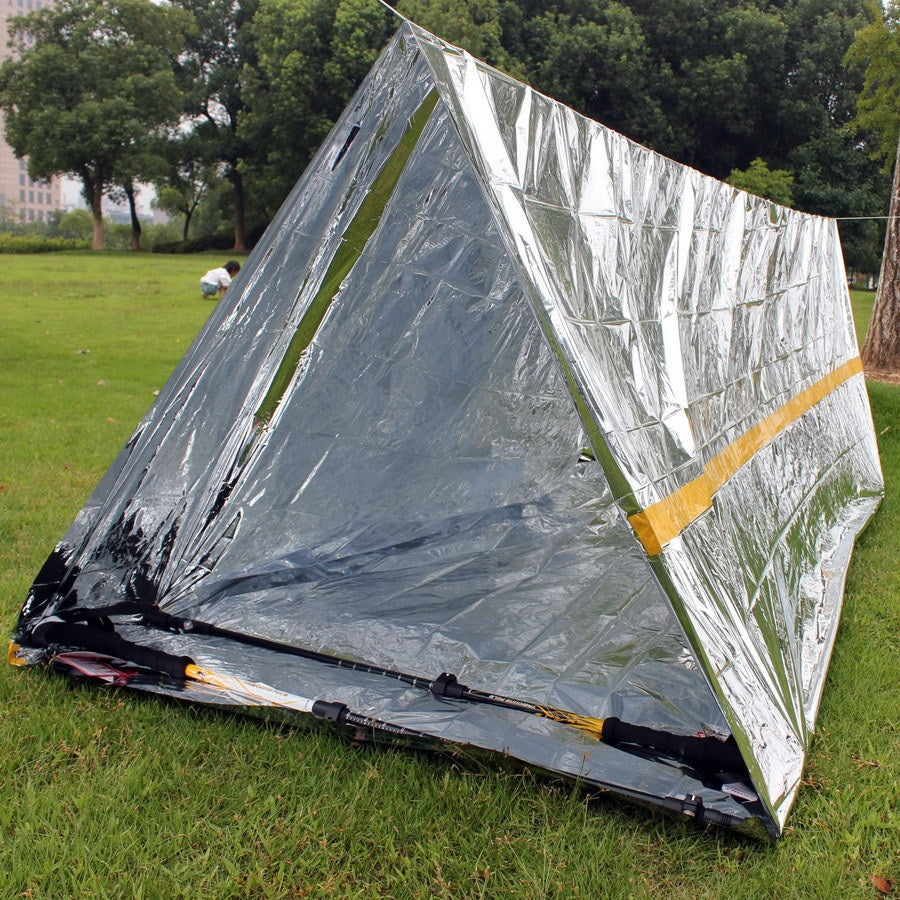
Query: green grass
x=863 y=301
x=111 y=794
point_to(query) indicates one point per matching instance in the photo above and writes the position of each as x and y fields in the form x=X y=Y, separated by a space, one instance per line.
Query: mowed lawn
x=114 y=794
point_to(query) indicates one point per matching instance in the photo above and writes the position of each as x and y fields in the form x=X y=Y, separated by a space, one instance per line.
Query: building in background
x=20 y=197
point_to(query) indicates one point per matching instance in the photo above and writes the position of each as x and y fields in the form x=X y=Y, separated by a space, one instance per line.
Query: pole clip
x=446 y=685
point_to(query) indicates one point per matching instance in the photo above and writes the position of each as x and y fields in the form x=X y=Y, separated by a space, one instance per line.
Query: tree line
x=227 y=100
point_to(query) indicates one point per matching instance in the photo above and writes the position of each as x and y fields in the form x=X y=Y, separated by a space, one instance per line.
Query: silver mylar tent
x=503 y=394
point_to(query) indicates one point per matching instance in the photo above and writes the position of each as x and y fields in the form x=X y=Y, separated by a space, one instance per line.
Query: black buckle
x=446 y=685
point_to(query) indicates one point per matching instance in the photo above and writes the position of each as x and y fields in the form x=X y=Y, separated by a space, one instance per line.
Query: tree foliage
x=881 y=349
x=759 y=179
x=754 y=90
x=95 y=85
x=473 y=24
x=712 y=85
x=595 y=57
x=312 y=54
x=876 y=51
x=218 y=51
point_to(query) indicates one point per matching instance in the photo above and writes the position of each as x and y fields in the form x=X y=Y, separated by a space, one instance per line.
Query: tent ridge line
x=664 y=520
x=618 y=481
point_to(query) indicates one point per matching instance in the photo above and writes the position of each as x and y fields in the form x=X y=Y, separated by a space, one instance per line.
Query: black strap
x=108 y=643
x=99 y=616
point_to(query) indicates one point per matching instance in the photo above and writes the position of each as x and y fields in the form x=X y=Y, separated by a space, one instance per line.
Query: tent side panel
x=707 y=341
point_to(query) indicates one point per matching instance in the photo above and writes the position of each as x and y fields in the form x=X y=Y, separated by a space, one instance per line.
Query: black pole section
x=108 y=643
x=705 y=753
x=192 y=626
x=338 y=712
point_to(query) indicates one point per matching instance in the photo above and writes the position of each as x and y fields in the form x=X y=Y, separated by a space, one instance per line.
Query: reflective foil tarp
x=503 y=394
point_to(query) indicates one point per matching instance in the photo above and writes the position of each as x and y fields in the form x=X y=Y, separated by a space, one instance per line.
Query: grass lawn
x=120 y=794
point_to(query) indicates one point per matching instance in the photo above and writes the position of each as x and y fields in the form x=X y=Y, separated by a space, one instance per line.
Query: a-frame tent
x=505 y=395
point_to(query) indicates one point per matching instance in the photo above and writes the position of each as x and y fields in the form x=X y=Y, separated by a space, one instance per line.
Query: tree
x=125 y=190
x=773 y=184
x=311 y=56
x=877 y=49
x=182 y=194
x=217 y=54
x=144 y=163
x=96 y=82
x=881 y=348
x=186 y=179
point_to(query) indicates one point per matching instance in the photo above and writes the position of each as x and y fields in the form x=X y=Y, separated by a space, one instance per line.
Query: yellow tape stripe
x=665 y=520
x=12 y=655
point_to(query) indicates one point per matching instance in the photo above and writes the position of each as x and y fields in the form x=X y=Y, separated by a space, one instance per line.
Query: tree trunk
x=881 y=349
x=93 y=193
x=135 y=221
x=240 y=231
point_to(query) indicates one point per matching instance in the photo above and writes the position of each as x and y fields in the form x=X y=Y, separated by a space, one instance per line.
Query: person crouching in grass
x=216 y=281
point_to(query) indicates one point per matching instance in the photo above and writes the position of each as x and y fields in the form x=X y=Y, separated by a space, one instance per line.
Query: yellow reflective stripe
x=659 y=523
x=666 y=519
